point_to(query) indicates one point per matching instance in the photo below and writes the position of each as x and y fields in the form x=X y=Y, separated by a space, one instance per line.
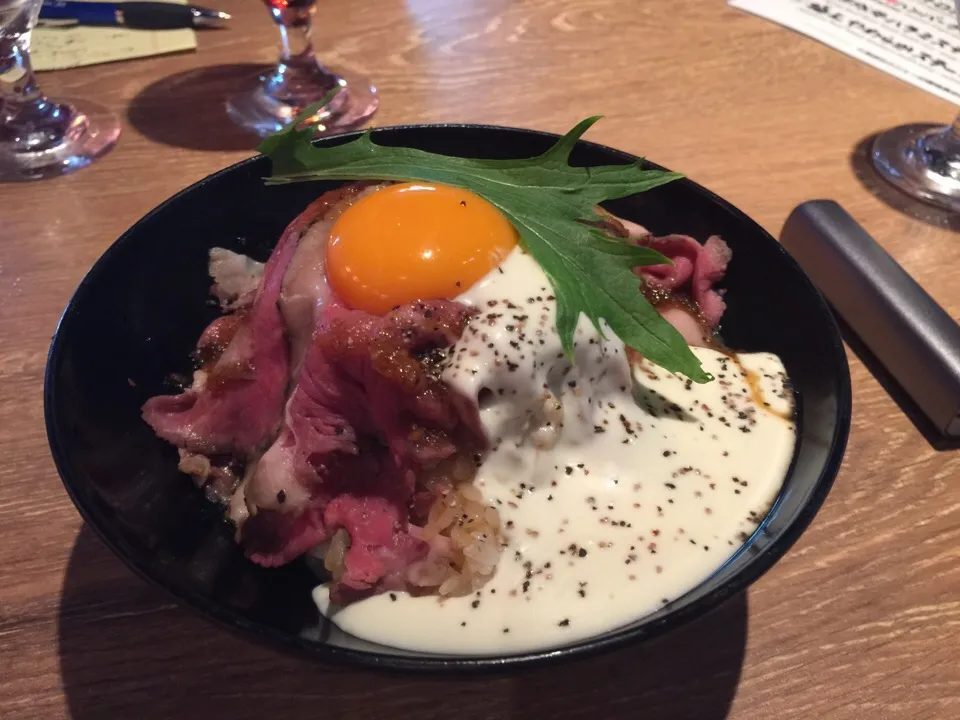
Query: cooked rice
x=333 y=558
x=463 y=533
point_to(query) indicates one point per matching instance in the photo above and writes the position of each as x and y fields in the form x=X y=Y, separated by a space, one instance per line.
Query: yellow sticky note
x=58 y=48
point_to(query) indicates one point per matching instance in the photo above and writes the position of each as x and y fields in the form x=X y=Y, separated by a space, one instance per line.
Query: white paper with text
x=915 y=40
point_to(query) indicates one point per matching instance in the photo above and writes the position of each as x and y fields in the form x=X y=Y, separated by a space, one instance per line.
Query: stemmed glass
x=922 y=160
x=41 y=138
x=299 y=80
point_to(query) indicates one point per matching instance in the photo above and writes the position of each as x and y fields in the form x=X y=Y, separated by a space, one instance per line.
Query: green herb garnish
x=548 y=202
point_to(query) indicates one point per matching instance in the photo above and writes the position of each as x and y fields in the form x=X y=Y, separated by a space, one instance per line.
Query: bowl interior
x=137 y=315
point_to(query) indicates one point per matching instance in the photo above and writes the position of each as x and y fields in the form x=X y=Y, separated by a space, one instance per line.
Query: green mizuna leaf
x=548 y=201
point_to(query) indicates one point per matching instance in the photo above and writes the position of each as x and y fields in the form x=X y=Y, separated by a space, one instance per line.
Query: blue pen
x=137 y=15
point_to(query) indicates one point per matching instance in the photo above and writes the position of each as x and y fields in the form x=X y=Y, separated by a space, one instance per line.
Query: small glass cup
x=40 y=138
x=299 y=80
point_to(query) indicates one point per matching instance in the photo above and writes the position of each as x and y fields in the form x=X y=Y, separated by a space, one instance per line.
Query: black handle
x=156 y=15
x=914 y=338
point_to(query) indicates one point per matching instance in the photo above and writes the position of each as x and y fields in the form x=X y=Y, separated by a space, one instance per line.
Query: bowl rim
x=588 y=647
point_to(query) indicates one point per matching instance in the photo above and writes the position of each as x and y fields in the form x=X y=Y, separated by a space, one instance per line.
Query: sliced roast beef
x=215 y=340
x=237 y=406
x=418 y=417
x=686 y=318
x=683 y=292
x=381 y=548
x=280 y=537
x=708 y=271
x=696 y=269
x=366 y=415
x=246 y=365
x=305 y=287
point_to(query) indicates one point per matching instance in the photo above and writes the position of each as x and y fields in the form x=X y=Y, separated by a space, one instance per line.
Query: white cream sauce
x=619 y=489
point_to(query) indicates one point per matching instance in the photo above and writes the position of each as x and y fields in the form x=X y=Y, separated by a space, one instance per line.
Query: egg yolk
x=414 y=241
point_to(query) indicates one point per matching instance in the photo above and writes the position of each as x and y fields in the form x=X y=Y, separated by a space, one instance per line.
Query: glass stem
x=28 y=121
x=18 y=84
x=940 y=151
x=953 y=134
x=298 y=77
x=296 y=43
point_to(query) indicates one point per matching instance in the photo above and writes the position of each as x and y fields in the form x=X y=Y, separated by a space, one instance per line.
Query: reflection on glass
x=299 y=80
x=41 y=138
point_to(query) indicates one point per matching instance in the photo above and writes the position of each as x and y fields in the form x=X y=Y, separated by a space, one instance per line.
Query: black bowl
x=137 y=314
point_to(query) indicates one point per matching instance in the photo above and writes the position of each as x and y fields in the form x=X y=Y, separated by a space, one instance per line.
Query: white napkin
x=915 y=40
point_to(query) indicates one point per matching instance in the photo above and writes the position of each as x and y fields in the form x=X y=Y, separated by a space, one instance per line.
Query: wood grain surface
x=861 y=619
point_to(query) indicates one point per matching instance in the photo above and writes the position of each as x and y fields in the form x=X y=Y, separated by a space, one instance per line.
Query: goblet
x=39 y=137
x=299 y=80
x=922 y=160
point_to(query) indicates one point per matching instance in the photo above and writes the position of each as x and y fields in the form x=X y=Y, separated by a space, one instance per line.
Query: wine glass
x=40 y=138
x=922 y=160
x=299 y=80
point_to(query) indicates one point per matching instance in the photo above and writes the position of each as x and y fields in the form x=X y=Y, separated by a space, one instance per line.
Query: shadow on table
x=126 y=651
x=863 y=169
x=188 y=109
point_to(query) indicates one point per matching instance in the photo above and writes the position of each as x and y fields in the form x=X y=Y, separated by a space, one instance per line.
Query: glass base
x=922 y=161
x=275 y=101
x=91 y=132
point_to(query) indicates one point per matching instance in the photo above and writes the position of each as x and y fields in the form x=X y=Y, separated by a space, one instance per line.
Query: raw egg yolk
x=414 y=241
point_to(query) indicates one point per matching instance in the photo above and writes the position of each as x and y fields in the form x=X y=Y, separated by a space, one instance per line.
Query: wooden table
x=860 y=619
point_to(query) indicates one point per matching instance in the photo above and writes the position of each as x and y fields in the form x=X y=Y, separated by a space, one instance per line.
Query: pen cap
x=914 y=338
